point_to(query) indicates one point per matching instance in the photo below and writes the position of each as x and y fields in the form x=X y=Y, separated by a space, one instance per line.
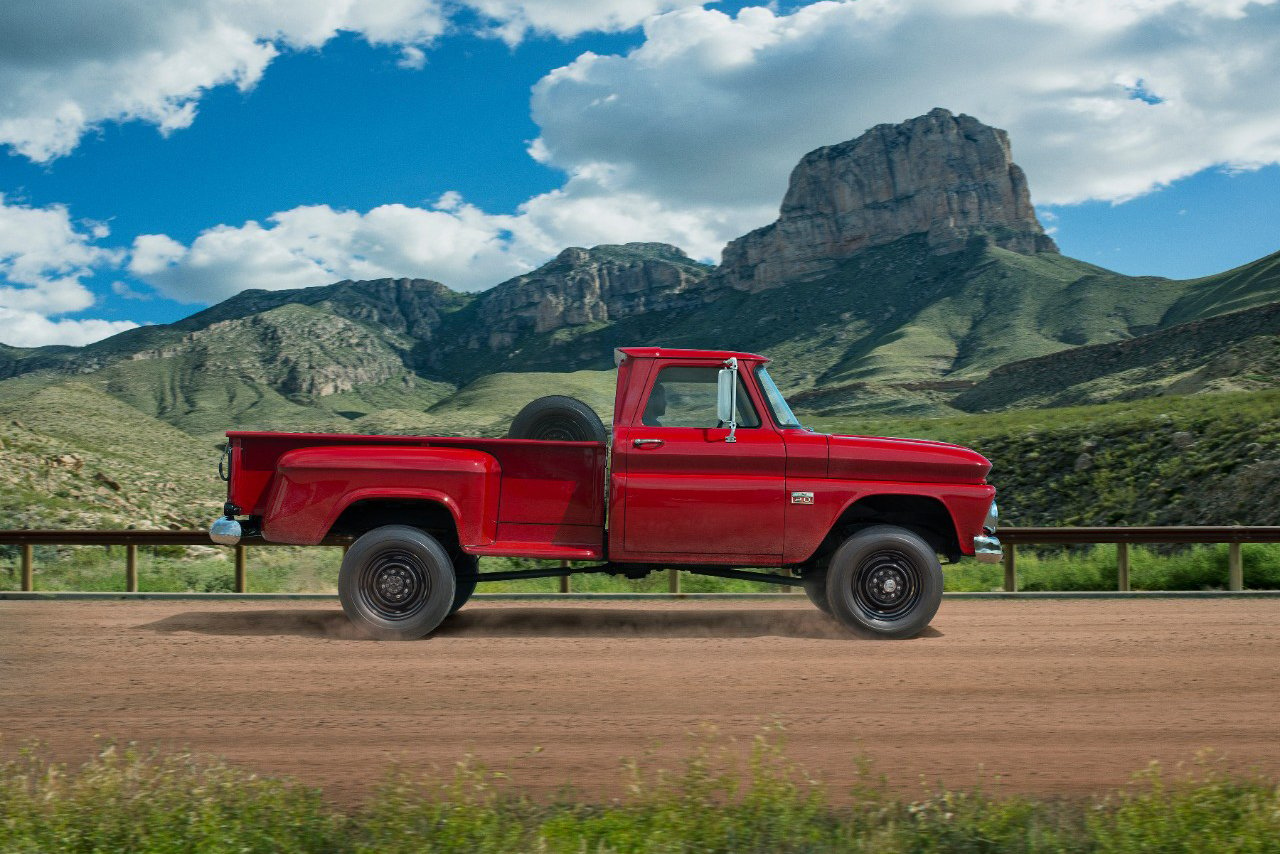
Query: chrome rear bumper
x=987 y=549
x=225 y=532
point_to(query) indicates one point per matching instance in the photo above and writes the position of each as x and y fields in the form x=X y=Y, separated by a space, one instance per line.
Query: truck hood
x=904 y=460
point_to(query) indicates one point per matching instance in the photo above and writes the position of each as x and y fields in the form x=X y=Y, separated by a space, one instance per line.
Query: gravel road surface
x=1051 y=696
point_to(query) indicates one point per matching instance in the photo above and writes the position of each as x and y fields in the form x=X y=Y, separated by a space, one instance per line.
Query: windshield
x=781 y=412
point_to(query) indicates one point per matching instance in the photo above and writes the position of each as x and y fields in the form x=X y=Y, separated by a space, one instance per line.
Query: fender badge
x=802 y=498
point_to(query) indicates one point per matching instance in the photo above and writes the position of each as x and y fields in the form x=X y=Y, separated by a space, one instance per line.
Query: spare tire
x=558 y=418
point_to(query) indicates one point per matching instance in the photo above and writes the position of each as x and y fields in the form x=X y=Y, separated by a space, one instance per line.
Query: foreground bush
x=123 y=800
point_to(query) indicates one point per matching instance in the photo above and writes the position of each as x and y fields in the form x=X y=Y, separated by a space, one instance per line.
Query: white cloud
x=689 y=138
x=513 y=20
x=43 y=257
x=32 y=329
x=716 y=110
x=452 y=242
x=67 y=66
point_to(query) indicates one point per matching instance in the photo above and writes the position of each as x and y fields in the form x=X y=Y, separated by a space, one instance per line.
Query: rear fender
x=312 y=486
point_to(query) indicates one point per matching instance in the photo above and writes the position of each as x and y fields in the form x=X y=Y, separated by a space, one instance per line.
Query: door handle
x=652 y=443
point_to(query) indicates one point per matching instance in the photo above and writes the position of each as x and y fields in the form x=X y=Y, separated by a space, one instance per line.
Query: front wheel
x=397 y=583
x=885 y=581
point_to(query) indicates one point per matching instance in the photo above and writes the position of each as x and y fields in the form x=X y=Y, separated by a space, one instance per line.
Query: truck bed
x=551 y=494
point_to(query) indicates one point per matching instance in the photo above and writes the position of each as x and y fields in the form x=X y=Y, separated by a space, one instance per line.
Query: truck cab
x=706 y=469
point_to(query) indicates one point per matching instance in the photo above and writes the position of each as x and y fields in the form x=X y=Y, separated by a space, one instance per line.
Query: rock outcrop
x=948 y=177
x=583 y=286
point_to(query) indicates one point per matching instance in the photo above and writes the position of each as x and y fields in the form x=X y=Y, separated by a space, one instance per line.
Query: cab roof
x=672 y=353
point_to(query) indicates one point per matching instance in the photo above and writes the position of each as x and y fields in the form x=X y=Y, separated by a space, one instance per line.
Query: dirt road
x=1064 y=696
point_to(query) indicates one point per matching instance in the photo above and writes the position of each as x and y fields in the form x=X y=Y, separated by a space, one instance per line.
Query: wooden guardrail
x=27 y=540
x=1122 y=537
x=1233 y=535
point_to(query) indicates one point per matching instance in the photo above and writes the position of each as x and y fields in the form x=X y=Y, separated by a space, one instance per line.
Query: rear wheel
x=558 y=418
x=885 y=581
x=397 y=583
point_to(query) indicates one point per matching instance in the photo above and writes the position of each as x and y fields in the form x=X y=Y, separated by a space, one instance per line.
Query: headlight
x=993 y=517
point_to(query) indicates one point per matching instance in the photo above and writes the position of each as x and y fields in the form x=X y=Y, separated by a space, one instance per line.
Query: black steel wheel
x=397 y=583
x=885 y=581
x=558 y=418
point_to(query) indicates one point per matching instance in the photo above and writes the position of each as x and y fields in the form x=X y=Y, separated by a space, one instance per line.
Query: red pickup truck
x=706 y=470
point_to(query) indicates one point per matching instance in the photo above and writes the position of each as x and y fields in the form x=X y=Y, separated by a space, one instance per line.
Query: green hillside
x=76 y=457
x=881 y=331
x=1220 y=335
x=487 y=406
x=1229 y=352
x=1253 y=284
x=896 y=329
x=1185 y=460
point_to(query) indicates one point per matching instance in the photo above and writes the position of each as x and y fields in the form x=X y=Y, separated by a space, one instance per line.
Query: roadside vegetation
x=203 y=569
x=722 y=798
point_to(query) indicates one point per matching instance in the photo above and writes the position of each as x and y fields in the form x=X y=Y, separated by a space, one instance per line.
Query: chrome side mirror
x=727 y=397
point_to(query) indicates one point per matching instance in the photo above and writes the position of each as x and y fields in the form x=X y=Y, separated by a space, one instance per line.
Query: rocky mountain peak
x=581 y=286
x=951 y=178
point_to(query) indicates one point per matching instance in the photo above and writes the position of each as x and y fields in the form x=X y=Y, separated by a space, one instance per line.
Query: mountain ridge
x=912 y=271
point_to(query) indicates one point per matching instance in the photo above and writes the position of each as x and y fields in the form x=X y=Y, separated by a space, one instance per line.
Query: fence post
x=673 y=581
x=1010 y=570
x=1122 y=566
x=1235 y=568
x=131 y=568
x=564 y=579
x=28 y=569
x=242 y=583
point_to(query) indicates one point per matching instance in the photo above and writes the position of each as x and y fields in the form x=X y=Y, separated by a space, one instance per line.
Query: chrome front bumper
x=225 y=532
x=987 y=549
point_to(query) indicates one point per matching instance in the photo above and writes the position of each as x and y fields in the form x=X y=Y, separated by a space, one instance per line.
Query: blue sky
x=154 y=166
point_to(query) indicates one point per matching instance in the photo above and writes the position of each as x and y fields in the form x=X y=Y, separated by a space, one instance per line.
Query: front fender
x=312 y=486
x=809 y=524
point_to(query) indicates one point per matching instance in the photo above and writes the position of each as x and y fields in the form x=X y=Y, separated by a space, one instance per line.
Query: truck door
x=688 y=491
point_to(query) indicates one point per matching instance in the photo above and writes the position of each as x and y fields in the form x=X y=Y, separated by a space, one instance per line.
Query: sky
x=158 y=158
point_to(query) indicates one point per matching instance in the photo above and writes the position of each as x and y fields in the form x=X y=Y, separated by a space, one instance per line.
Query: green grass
x=1094 y=568
x=315 y=570
x=722 y=798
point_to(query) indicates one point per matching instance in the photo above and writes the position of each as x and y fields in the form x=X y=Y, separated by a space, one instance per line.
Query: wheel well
x=920 y=514
x=431 y=516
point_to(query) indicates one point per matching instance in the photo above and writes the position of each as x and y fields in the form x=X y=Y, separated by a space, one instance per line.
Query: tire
x=884 y=581
x=397 y=583
x=558 y=418
x=465 y=569
x=815 y=587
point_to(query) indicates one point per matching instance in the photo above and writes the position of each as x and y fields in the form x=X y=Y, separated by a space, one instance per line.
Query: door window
x=686 y=397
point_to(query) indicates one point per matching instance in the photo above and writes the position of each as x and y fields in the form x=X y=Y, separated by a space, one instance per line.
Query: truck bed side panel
x=314 y=485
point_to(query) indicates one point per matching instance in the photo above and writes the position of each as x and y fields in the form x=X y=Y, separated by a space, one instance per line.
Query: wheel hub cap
x=395 y=584
x=887 y=585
